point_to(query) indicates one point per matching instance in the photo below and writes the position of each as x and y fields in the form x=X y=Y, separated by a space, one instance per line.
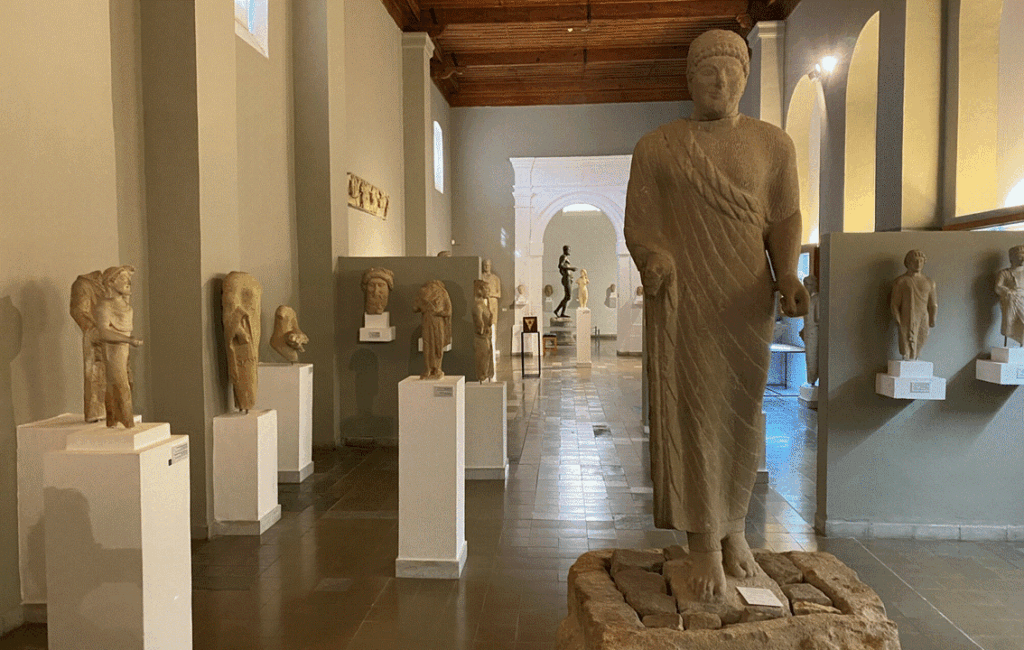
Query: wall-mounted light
x=824 y=68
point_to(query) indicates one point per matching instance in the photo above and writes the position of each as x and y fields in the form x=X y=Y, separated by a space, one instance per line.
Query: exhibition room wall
x=888 y=465
x=483 y=213
x=1010 y=154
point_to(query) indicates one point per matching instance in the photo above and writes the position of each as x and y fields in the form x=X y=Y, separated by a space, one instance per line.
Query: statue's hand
x=794 y=299
x=135 y=342
x=658 y=272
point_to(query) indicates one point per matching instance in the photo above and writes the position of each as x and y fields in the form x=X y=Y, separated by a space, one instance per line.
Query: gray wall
x=881 y=460
x=485 y=138
x=370 y=372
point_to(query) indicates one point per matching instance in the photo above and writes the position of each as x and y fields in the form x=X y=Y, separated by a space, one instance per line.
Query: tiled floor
x=323 y=578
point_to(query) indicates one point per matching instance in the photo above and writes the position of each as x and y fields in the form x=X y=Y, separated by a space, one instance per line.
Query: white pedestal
x=1005 y=368
x=486 y=431
x=762 y=465
x=431 y=477
x=377 y=328
x=245 y=473
x=910 y=380
x=118 y=548
x=809 y=396
x=583 y=338
x=35 y=440
x=288 y=389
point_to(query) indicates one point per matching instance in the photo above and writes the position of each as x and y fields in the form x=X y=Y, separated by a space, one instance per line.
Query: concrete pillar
x=417 y=115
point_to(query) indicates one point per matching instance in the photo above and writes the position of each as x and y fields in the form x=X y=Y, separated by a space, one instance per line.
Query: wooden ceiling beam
x=568 y=95
x=562 y=56
x=771 y=9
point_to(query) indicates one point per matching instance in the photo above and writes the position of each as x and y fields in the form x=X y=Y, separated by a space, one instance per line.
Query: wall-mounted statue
x=433 y=302
x=1010 y=288
x=240 y=297
x=113 y=315
x=611 y=297
x=810 y=331
x=913 y=303
x=493 y=288
x=521 y=298
x=364 y=196
x=735 y=179
x=483 y=320
x=548 y=291
x=287 y=339
x=565 y=269
x=86 y=291
x=584 y=294
x=377 y=284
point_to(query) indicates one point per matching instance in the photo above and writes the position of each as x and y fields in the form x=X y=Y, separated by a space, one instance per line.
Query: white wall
x=439 y=222
x=1011 y=99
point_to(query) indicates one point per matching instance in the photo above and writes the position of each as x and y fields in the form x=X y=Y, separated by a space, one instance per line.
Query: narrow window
x=438 y=158
x=251 y=23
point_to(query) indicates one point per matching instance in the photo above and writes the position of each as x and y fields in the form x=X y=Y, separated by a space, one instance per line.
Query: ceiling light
x=828 y=64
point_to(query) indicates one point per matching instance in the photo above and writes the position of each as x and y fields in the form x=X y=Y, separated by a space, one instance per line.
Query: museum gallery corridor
x=322 y=578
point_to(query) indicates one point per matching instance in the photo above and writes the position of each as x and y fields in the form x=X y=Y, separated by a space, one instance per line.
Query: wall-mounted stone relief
x=367 y=197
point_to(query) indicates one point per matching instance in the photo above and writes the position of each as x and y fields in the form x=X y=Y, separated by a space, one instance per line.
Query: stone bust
x=377 y=284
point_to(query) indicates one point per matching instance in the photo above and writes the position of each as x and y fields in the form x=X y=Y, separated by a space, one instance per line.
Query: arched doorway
x=804 y=123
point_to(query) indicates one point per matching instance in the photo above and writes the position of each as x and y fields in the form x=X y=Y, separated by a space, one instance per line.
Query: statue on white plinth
x=86 y=291
x=810 y=331
x=493 y=288
x=433 y=302
x=113 y=315
x=287 y=339
x=1010 y=288
x=521 y=298
x=584 y=294
x=377 y=284
x=240 y=297
x=914 y=303
x=707 y=197
x=483 y=319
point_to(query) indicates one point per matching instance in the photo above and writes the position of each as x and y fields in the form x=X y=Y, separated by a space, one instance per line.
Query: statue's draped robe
x=704 y=195
x=913 y=297
x=1013 y=306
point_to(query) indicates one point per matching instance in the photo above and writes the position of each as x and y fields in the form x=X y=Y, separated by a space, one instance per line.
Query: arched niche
x=861 y=139
x=804 y=123
x=543 y=186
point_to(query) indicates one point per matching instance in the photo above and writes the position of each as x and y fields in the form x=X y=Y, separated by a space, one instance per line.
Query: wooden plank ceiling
x=532 y=52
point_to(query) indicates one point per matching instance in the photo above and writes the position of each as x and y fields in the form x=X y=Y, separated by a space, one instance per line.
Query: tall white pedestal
x=35 y=440
x=762 y=464
x=809 y=396
x=583 y=338
x=118 y=548
x=1006 y=367
x=431 y=477
x=486 y=431
x=288 y=389
x=245 y=473
x=910 y=380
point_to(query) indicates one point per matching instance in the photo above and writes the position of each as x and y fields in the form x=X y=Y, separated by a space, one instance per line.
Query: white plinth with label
x=583 y=338
x=1006 y=367
x=910 y=380
x=118 y=548
x=245 y=473
x=431 y=477
x=377 y=328
x=288 y=389
x=35 y=440
x=486 y=431
x=809 y=396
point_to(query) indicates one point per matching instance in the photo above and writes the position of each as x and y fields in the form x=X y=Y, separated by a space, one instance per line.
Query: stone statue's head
x=915 y=259
x=717 y=67
x=811 y=284
x=240 y=298
x=1017 y=255
x=117 y=280
x=583 y=274
x=549 y=290
x=565 y=250
x=377 y=284
x=611 y=289
x=486 y=266
x=480 y=289
x=640 y=290
x=521 y=290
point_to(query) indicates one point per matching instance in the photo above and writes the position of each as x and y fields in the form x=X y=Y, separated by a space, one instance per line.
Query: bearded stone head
x=377 y=284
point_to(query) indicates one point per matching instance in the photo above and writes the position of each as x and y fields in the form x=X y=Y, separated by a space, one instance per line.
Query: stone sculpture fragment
x=377 y=284
x=483 y=319
x=433 y=302
x=913 y=303
x=86 y=291
x=493 y=289
x=810 y=331
x=113 y=316
x=287 y=339
x=240 y=297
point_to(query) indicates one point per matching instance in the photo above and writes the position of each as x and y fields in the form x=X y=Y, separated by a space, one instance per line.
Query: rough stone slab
x=631 y=581
x=670 y=621
x=803 y=608
x=701 y=621
x=806 y=593
x=778 y=567
x=753 y=614
x=730 y=609
x=626 y=558
x=649 y=602
x=675 y=552
x=840 y=583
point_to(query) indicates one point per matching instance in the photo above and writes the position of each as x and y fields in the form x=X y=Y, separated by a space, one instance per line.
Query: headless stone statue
x=113 y=315
x=707 y=197
x=86 y=292
x=1010 y=289
x=433 y=302
x=913 y=303
x=482 y=321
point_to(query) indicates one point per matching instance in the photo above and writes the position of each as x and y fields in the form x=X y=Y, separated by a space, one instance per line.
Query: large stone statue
x=1010 y=288
x=483 y=319
x=913 y=303
x=566 y=270
x=433 y=302
x=113 y=316
x=584 y=294
x=377 y=284
x=493 y=289
x=86 y=291
x=707 y=197
x=287 y=339
x=810 y=331
x=240 y=297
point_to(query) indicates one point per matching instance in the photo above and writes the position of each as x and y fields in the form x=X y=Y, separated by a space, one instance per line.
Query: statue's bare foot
x=707 y=579
x=736 y=556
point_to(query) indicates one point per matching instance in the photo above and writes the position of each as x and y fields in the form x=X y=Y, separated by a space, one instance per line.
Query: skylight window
x=251 y=23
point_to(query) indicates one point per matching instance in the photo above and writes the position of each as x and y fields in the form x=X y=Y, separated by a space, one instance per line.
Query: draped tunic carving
x=704 y=195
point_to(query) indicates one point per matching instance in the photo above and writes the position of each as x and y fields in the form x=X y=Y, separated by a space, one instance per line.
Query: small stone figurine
x=287 y=339
x=113 y=317
x=1010 y=288
x=433 y=302
x=584 y=294
x=914 y=303
x=240 y=296
x=483 y=319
